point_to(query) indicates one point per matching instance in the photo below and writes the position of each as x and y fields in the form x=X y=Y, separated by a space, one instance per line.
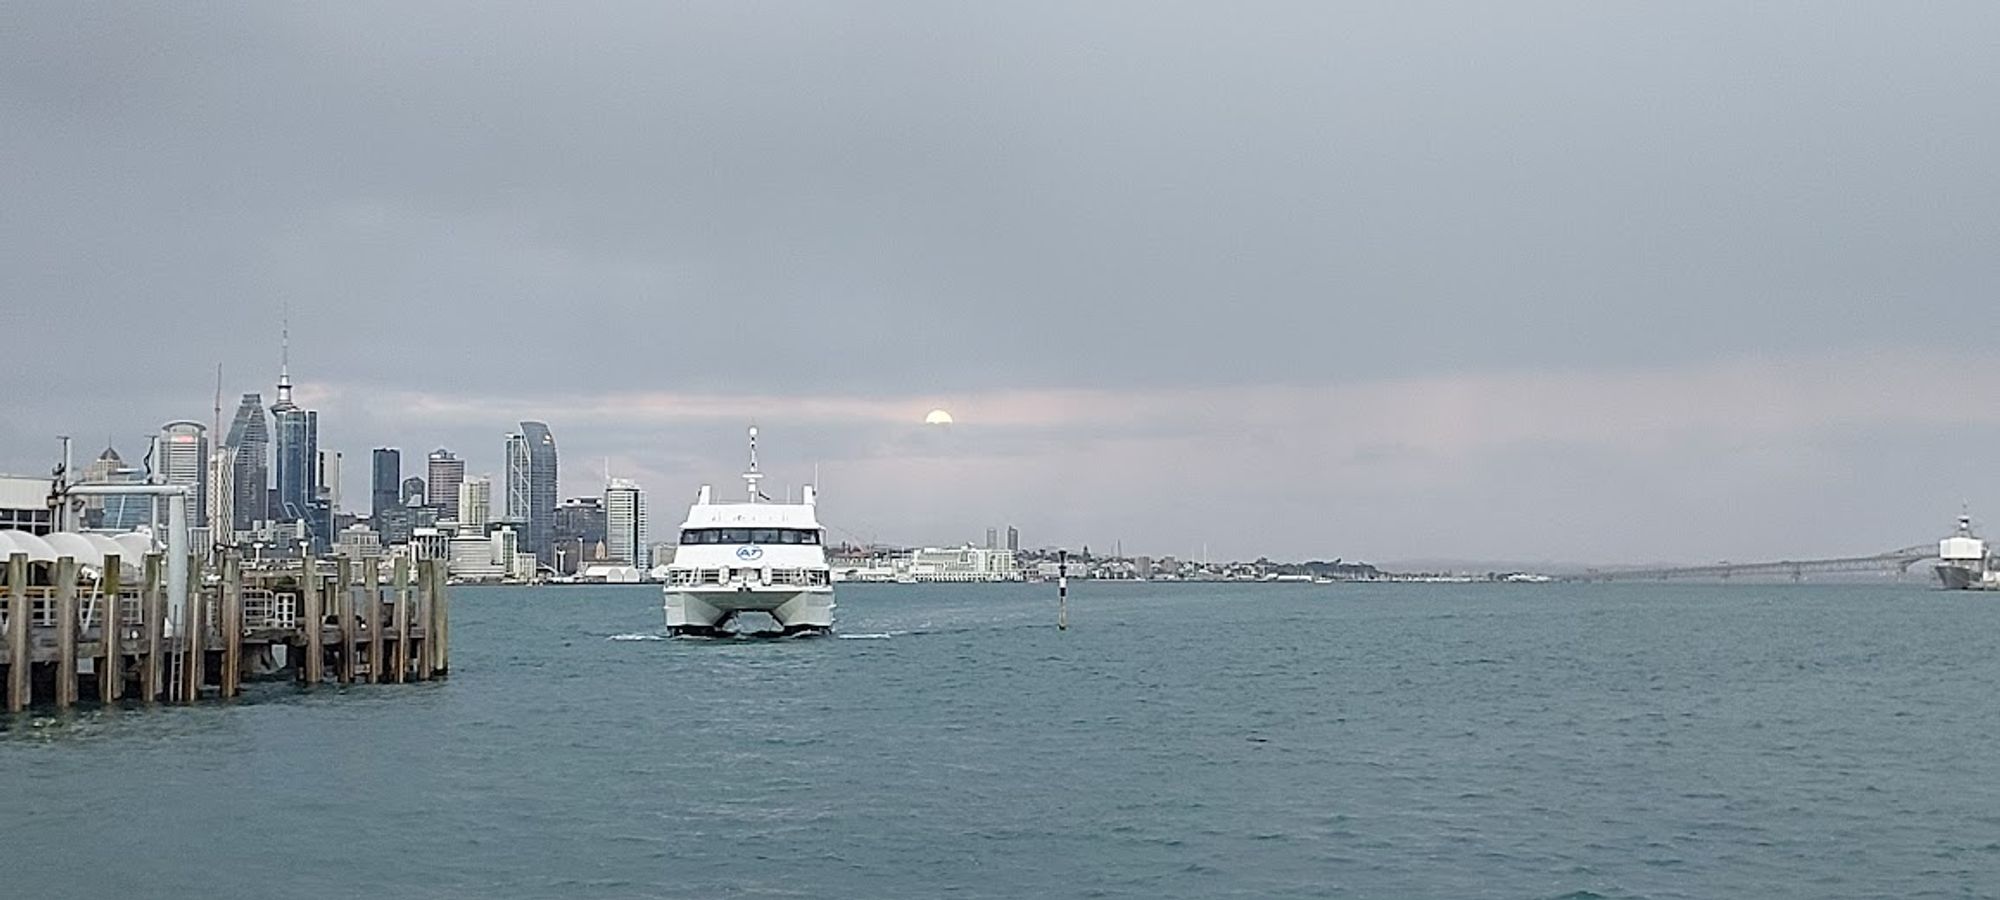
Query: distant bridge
x=1893 y=562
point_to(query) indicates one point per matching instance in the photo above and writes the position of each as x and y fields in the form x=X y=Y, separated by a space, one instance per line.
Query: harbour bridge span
x=1894 y=562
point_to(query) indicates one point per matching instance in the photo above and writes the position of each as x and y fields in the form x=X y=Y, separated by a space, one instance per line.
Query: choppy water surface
x=1179 y=741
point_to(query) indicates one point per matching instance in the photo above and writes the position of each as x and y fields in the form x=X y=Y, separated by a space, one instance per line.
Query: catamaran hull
x=711 y=613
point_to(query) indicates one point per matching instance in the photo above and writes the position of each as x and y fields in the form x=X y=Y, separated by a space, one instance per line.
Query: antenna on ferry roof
x=753 y=476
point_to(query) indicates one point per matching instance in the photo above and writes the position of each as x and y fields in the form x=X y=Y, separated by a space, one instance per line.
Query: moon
x=938 y=417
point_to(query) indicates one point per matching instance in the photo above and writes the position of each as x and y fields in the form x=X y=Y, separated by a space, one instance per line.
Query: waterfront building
x=24 y=505
x=475 y=504
x=1013 y=540
x=966 y=563
x=430 y=543
x=386 y=477
x=413 y=491
x=183 y=459
x=470 y=558
x=446 y=473
x=581 y=529
x=531 y=486
x=495 y=557
x=329 y=478
x=625 y=535
x=357 y=542
x=250 y=440
x=421 y=517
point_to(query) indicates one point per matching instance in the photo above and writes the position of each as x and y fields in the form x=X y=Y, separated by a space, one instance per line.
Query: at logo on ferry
x=749 y=552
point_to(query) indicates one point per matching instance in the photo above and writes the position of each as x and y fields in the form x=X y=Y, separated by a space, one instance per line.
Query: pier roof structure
x=86 y=548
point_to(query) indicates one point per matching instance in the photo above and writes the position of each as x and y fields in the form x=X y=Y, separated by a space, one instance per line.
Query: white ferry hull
x=712 y=611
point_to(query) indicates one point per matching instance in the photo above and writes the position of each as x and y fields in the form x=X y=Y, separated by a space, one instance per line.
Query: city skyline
x=1624 y=284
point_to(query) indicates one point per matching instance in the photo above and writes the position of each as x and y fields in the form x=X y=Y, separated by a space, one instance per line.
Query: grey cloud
x=910 y=198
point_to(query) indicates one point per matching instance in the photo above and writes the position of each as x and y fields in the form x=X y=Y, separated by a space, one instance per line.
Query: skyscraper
x=413 y=491
x=447 y=472
x=297 y=445
x=1013 y=539
x=385 y=481
x=250 y=438
x=99 y=472
x=992 y=538
x=329 y=477
x=519 y=462
x=531 y=487
x=625 y=534
x=116 y=513
x=183 y=459
x=475 y=504
x=297 y=458
x=580 y=531
x=222 y=496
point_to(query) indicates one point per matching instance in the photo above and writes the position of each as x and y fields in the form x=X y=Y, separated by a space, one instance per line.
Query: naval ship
x=1963 y=563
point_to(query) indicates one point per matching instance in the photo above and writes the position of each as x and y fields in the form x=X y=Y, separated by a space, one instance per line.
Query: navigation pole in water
x=1062 y=590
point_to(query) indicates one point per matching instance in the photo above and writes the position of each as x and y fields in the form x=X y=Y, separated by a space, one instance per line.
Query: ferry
x=756 y=556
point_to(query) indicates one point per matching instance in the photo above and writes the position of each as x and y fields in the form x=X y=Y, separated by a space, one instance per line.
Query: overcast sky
x=1592 y=282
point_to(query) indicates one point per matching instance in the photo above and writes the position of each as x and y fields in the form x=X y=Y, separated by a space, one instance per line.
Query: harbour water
x=1192 y=741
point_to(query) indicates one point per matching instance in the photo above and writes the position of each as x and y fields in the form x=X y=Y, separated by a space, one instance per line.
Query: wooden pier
x=71 y=633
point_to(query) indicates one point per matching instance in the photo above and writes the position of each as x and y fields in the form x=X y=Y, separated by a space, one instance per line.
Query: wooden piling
x=344 y=604
x=20 y=623
x=314 y=623
x=65 y=632
x=426 y=605
x=194 y=658
x=111 y=668
x=153 y=606
x=400 y=660
x=444 y=620
x=232 y=623
x=371 y=615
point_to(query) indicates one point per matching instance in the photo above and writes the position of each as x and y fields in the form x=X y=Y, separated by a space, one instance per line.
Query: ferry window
x=789 y=536
x=808 y=537
x=735 y=536
x=764 y=536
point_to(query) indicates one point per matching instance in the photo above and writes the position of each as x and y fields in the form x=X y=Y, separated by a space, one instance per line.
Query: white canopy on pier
x=88 y=550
